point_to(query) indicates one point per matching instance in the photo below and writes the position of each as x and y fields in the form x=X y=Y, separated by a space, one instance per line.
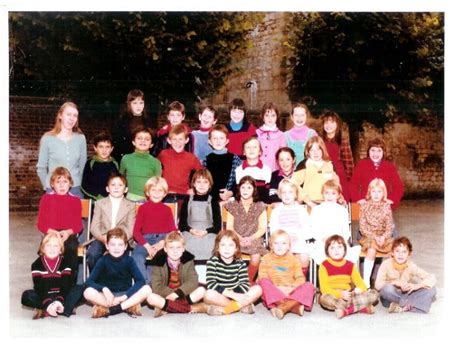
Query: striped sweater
x=336 y=276
x=221 y=276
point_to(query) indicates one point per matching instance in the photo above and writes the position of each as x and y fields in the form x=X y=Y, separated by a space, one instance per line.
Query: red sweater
x=59 y=212
x=237 y=138
x=153 y=218
x=177 y=169
x=365 y=172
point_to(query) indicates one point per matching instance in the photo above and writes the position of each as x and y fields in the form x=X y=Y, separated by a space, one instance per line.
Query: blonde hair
x=46 y=239
x=174 y=236
x=57 y=122
x=156 y=181
x=320 y=142
x=288 y=182
x=60 y=172
x=333 y=185
x=276 y=234
x=377 y=182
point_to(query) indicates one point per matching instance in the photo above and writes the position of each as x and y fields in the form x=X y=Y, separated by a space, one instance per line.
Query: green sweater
x=138 y=168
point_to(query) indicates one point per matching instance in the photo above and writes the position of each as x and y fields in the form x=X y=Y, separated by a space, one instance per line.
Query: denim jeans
x=140 y=253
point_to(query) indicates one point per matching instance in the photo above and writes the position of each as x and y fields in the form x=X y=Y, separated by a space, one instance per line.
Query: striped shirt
x=221 y=276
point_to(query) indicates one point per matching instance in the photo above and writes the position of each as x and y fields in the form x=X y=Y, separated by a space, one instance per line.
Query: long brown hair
x=229 y=234
x=332 y=115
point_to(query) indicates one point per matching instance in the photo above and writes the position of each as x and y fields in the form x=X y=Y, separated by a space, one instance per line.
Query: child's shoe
x=249 y=309
x=200 y=307
x=39 y=313
x=298 y=309
x=135 y=310
x=100 y=312
x=277 y=312
x=341 y=313
x=368 y=310
x=395 y=308
x=158 y=312
x=215 y=310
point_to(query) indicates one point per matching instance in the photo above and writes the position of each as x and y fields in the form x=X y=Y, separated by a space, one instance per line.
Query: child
x=254 y=167
x=110 y=212
x=207 y=118
x=342 y=287
x=178 y=165
x=375 y=225
x=338 y=148
x=270 y=137
x=54 y=290
x=239 y=128
x=174 y=280
x=109 y=286
x=248 y=219
x=200 y=217
x=285 y=158
x=60 y=214
x=228 y=288
x=154 y=220
x=283 y=285
x=293 y=218
x=299 y=134
x=375 y=165
x=175 y=115
x=135 y=116
x=99 y=168
x=139 y=166
x=221 y=164
x=329 y=218
x=403 y=286
x=314 y=171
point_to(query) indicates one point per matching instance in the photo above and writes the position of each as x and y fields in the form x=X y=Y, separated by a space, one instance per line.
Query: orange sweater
x=336 y=276
x=281 y=270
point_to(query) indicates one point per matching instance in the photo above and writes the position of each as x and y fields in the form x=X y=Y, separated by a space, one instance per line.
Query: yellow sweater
x=336 y=276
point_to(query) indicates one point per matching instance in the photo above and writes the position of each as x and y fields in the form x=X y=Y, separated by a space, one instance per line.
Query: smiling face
x=330 y=195
x=142 y=142
x=61 y=185
x=336 y=250
x=227 y=249
x=400 y=254
x=376 y=154
x=270 y=117
x=116 y=188
x=286 y=162
x=177 y=141
x=330 y=127
x=136 y=106
x=103 y=149
x=252 y=150
x=175 y=117
x=68 y=118
x=52 y=248
x=299 y=117
x=156 y=194
x=116 y=247
x=237 y=115
x=218 y=140
x=281 y=245
x=207 y=119
x=315 y=152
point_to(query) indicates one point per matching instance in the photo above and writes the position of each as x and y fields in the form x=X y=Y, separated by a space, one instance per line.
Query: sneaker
x=39 y=313
x=395 y=308
x=215 y=310
x=368 y=310
x=340 y=313
x=135 y=310
x=249 y=309
x=199 y=307
x=277 y=312
x=100 y=312
x=158 y=312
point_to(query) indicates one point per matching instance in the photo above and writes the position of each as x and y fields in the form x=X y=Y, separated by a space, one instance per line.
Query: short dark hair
x=237 y=103
x=247 y=179
x=142 y=130
x=402 y=241
x=337 y=238
x=176 y=106
x=102 y=137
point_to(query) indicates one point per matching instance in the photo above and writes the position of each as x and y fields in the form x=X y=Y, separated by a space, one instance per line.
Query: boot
x=297 y=309
x=39 y=313
x=158 y=312
x=283 y=307
x=134 y=310
x=100 y=312
x=200 y=307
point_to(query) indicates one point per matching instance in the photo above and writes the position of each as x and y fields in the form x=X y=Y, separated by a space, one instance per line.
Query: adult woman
x=376 y=166
x=64 y=145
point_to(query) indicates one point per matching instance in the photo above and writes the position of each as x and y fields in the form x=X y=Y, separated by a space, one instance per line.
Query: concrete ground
x=421 y=220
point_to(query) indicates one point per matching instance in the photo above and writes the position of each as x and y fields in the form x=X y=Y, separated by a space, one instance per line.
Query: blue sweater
x=116 y=274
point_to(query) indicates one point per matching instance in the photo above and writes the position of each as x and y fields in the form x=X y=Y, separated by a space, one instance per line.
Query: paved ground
x=422 y=221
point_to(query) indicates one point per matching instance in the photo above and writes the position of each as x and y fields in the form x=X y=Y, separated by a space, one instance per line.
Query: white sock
x=368 y=266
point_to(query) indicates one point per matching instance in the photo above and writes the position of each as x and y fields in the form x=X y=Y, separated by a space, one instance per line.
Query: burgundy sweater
x=59 y=212
x=178 y=168
x=153 y=218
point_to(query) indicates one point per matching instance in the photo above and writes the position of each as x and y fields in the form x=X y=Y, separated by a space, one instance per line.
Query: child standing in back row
x=239 y=127
x=207 y=118
x=270 y=137
x=297 y=136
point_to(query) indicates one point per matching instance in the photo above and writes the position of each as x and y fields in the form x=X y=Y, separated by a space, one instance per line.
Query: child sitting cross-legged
x=342 y=287
x=174 y=280
x=116 y=284
x=283 y=284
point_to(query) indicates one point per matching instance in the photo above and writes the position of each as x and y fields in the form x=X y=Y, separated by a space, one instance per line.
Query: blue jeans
x=95 y=250
x=140 y=253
